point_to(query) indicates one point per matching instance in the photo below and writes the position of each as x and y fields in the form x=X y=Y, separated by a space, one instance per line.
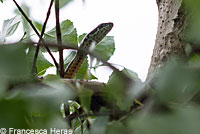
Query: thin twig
x=46 y=20
x=59 y=39
x=38 y=34
x=42 y=33
x=26 y=17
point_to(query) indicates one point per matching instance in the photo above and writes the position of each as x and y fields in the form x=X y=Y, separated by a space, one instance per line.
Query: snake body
x=95 y=36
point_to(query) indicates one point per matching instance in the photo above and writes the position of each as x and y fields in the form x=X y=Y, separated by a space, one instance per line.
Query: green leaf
x=14 y=67
x=10 y=26
x=85 y=99
x=178 y=82
x=42 y=63
x=136 y=87
x=99 y=125
x=15 y=119
x=69 y=58
x=106 y=47
x=26 y=25
x=52 y=92
x=64 y=3
x=69 y=34
x=31 y=111
x=14 y=63
x=83 y=71
x=43 y=100
x=3 y=87
x=2 y=1
x=120 y=90
x=81 y=37
x=133 y=75
x=38 y=25
x=51 y=77
x=184 y=120
x=73 y=106
x=91 y=76
x=117 y=127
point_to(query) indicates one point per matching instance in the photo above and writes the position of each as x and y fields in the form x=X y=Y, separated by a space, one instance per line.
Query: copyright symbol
x=3 y=131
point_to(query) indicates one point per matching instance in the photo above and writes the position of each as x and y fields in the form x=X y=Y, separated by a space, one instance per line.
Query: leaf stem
x=40 y=39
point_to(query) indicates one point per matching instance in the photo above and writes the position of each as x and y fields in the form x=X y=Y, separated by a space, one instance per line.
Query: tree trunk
x=171 y=23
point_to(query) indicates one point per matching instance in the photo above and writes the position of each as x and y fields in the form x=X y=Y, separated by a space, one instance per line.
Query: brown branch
x=38 y=34
x=42 y=33
x=69 y=46
x=59 y=39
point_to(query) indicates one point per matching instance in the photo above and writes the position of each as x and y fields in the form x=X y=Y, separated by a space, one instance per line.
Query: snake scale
x=95 y=36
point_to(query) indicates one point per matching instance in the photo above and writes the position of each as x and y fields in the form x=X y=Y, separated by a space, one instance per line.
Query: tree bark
x=171 y=23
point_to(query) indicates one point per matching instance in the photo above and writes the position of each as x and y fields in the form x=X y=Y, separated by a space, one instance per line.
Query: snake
x=93 y=37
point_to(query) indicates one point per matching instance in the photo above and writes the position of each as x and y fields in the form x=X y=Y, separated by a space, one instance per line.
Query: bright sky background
x=135 y=25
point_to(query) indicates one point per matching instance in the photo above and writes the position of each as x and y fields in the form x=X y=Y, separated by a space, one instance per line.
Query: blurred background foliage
x=26 y=102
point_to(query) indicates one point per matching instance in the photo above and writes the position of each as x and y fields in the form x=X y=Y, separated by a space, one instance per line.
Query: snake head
x=94 y=37
x=100 y=31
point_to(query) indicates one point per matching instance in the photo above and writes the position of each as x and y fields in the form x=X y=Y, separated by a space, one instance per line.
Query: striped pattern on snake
x=94 y=37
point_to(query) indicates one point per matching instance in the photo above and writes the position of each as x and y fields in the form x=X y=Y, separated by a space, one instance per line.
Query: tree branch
x=68 y=46
x=59 y=39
